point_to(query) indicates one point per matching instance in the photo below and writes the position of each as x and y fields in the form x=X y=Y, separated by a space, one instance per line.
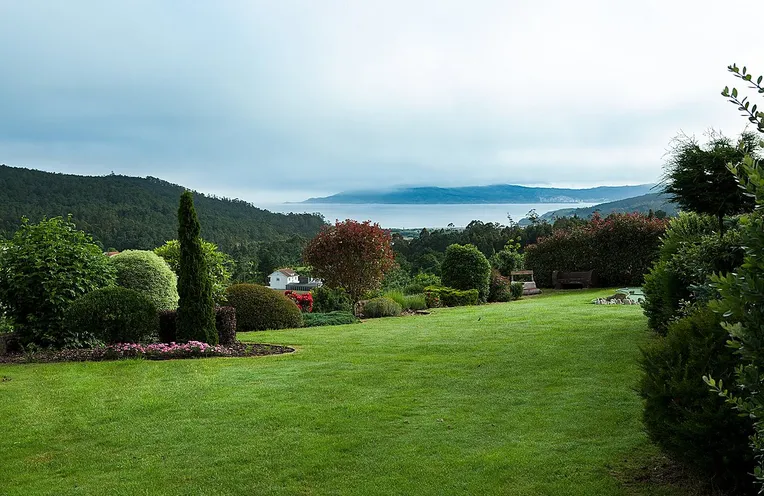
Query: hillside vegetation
x=141 y=213
x=642 y=204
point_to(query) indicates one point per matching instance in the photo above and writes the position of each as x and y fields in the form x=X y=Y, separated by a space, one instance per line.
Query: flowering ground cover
x=156 y=351
x=532 y=397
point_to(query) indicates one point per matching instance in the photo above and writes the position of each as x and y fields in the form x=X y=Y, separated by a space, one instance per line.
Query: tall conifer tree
x=196 y=307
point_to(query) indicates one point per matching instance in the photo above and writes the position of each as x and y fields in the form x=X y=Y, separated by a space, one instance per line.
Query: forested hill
x=642 y=204
x=131 y=212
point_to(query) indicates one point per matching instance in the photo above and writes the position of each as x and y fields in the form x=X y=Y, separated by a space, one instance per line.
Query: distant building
x=305 y=284
x=281 y=277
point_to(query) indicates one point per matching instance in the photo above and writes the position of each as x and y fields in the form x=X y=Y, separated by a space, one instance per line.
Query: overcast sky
x=304 y=98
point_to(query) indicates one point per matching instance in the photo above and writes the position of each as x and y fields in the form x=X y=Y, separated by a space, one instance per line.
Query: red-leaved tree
x=354 y=256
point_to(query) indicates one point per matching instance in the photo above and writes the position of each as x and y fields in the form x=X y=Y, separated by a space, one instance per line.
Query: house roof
x=287 y=272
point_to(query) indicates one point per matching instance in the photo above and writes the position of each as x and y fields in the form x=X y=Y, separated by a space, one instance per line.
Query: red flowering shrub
x=304 y=301
x=620 y=248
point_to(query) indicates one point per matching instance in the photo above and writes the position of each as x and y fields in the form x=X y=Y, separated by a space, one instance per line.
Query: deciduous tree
x=354 y=256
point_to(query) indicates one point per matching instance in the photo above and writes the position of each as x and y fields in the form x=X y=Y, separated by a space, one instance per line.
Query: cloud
x=250 y=96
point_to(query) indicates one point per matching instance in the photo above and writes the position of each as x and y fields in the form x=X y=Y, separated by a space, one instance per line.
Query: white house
x=280 y=278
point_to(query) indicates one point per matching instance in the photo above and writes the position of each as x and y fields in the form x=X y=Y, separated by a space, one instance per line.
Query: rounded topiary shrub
x=147 y=272
x=113 y=315
x=259 y=308
x=465 y=267
x=381 y=307
x=687 y=420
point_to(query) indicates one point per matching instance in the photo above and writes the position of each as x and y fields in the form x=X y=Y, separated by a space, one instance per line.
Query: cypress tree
x=196 y=307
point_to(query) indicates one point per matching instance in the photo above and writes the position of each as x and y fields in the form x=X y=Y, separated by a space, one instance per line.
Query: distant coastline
x=488 y=195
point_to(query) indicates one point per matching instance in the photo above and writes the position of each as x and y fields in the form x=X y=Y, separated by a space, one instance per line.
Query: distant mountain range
x=498 y=193
x=642 y=204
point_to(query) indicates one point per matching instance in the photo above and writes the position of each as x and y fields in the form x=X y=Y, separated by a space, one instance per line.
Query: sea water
x=411 y=216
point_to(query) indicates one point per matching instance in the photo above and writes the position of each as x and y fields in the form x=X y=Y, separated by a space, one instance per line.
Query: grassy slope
x=530 y=397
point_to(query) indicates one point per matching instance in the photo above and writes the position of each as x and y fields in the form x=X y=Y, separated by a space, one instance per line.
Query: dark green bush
x=196 y=306
x=225 y=324
x=148 y=273
x=259 y=308
x=619 y=248
x=432 y=299
x=465 y=267
x=691 y=252
x=168 y=329
x=507 y=260
x=421 y=281
x=43 y=269
x=516 y=290
x=331 y=318
x=499 y=288
x=381 y=307
x=113 y=315
x=450 y=297
x=681 y=415
x=326 y=300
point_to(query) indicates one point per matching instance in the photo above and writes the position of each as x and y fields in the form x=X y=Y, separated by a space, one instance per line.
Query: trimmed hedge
x=327 y=319
x=113 y=315
x=465 y=267
x=225 y=324
x=148 y=273
x=694 y=425
x=259 y=308
x=381 y=307
x=450 y=297
x=620 y=248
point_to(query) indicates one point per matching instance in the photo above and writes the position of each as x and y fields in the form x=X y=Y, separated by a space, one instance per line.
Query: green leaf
x=734 y=92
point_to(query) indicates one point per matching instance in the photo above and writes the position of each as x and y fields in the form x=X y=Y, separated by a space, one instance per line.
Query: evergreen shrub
x=147 y=273
x=681 y=414
x=113 y=315
x=450 y=297
x=381 y=307
x=225 y=324
x=465 y=267
x=499 y=288
x=516 y=290
x=326 y=300
x=259 y=308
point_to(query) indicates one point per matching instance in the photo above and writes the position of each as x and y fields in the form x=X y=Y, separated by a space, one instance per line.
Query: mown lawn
x=525 y=398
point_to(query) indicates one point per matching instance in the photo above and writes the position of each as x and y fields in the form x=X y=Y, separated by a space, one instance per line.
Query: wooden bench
x=584 y=279
x=529 y=287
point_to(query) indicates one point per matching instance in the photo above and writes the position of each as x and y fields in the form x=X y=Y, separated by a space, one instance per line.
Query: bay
x=421 y=215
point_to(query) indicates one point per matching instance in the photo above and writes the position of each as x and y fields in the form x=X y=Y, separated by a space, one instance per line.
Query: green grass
x=525 y=398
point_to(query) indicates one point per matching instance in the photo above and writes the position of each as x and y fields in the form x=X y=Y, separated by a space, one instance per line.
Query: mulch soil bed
x=237 y=349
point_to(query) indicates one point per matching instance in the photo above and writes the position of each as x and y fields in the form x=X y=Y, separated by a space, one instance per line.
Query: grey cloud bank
x=263 y=100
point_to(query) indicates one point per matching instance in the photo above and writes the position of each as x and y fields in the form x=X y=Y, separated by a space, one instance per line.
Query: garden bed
x=157 y=351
